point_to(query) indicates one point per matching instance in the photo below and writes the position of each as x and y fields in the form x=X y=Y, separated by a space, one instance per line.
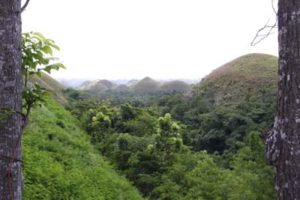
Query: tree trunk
x=283 y=142
x=10 y=100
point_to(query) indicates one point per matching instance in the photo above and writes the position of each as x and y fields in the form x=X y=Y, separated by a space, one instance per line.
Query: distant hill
x=122 y=88
x=145 y=86
x=97 y=87
x=132 y=82
x=249 y=76
x=106 y=83
x=175 y=86
x=85 y=85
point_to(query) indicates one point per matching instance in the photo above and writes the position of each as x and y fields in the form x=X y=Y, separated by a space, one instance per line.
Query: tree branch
x=260 y=35
x=273 y=7
x=266 y=30
x=25 y=5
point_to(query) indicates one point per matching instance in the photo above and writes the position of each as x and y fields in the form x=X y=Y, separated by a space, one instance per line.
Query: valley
x=155 y=140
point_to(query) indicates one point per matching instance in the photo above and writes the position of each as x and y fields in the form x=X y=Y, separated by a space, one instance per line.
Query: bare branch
x=273 y=7
x=263 y=33
x=266 y=30
x=25 y=5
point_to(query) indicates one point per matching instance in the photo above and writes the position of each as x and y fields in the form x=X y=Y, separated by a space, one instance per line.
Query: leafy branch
x=37 y=58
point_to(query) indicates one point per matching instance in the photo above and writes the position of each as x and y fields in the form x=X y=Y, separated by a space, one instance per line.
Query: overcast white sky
x=163 y=39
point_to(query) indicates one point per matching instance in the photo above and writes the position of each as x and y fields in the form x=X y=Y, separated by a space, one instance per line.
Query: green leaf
x=47 y=50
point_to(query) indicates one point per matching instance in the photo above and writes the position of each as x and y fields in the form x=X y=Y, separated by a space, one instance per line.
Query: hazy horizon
x=76 y=82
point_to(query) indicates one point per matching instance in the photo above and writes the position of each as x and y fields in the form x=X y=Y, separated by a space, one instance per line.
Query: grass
x=51 y=85
x=241 y=79
x=60 y=163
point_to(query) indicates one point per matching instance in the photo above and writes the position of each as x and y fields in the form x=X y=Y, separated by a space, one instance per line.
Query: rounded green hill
x=249 y=76
x=175 y=86
x=145 y=86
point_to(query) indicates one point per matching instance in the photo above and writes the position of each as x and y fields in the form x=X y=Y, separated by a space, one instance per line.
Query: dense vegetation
x=200 y=145
x=60 y=162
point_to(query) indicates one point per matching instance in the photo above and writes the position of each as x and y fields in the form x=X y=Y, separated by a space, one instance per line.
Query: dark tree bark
x=283 y=141
x=10 y=100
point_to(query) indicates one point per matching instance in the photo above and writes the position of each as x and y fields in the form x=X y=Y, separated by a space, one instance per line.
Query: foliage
x=60 y=163
x=168 y=140
x=33 y=96
x=37 y=57
x=162 y=167
x=249 y=178
x=205 y=145
x=250 y=165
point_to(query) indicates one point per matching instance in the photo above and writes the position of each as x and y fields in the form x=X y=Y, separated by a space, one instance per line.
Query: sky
x=163 y=39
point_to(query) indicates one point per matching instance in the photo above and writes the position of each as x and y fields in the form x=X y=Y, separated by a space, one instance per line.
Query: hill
x=97 y=87
x=247 y=77
x=235 y=99
x=85 y=84
x=122 y=89
x=145 y=86
x=60 y=162
x=51 y=85
x=132 y=82
x=175 y=86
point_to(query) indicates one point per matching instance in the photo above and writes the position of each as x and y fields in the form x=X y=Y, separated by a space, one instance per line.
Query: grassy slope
x=60 y=163
x=52 y=85
x=252 y=75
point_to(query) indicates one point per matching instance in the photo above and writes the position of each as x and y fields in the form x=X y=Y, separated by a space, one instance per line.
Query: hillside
x=178 y=146
x=85 y=85
x=247 y=77
x=60 y=162
x=122 y=89
x=235 y=99
x=51 y=85
x=132 y=82
x=169 y=146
